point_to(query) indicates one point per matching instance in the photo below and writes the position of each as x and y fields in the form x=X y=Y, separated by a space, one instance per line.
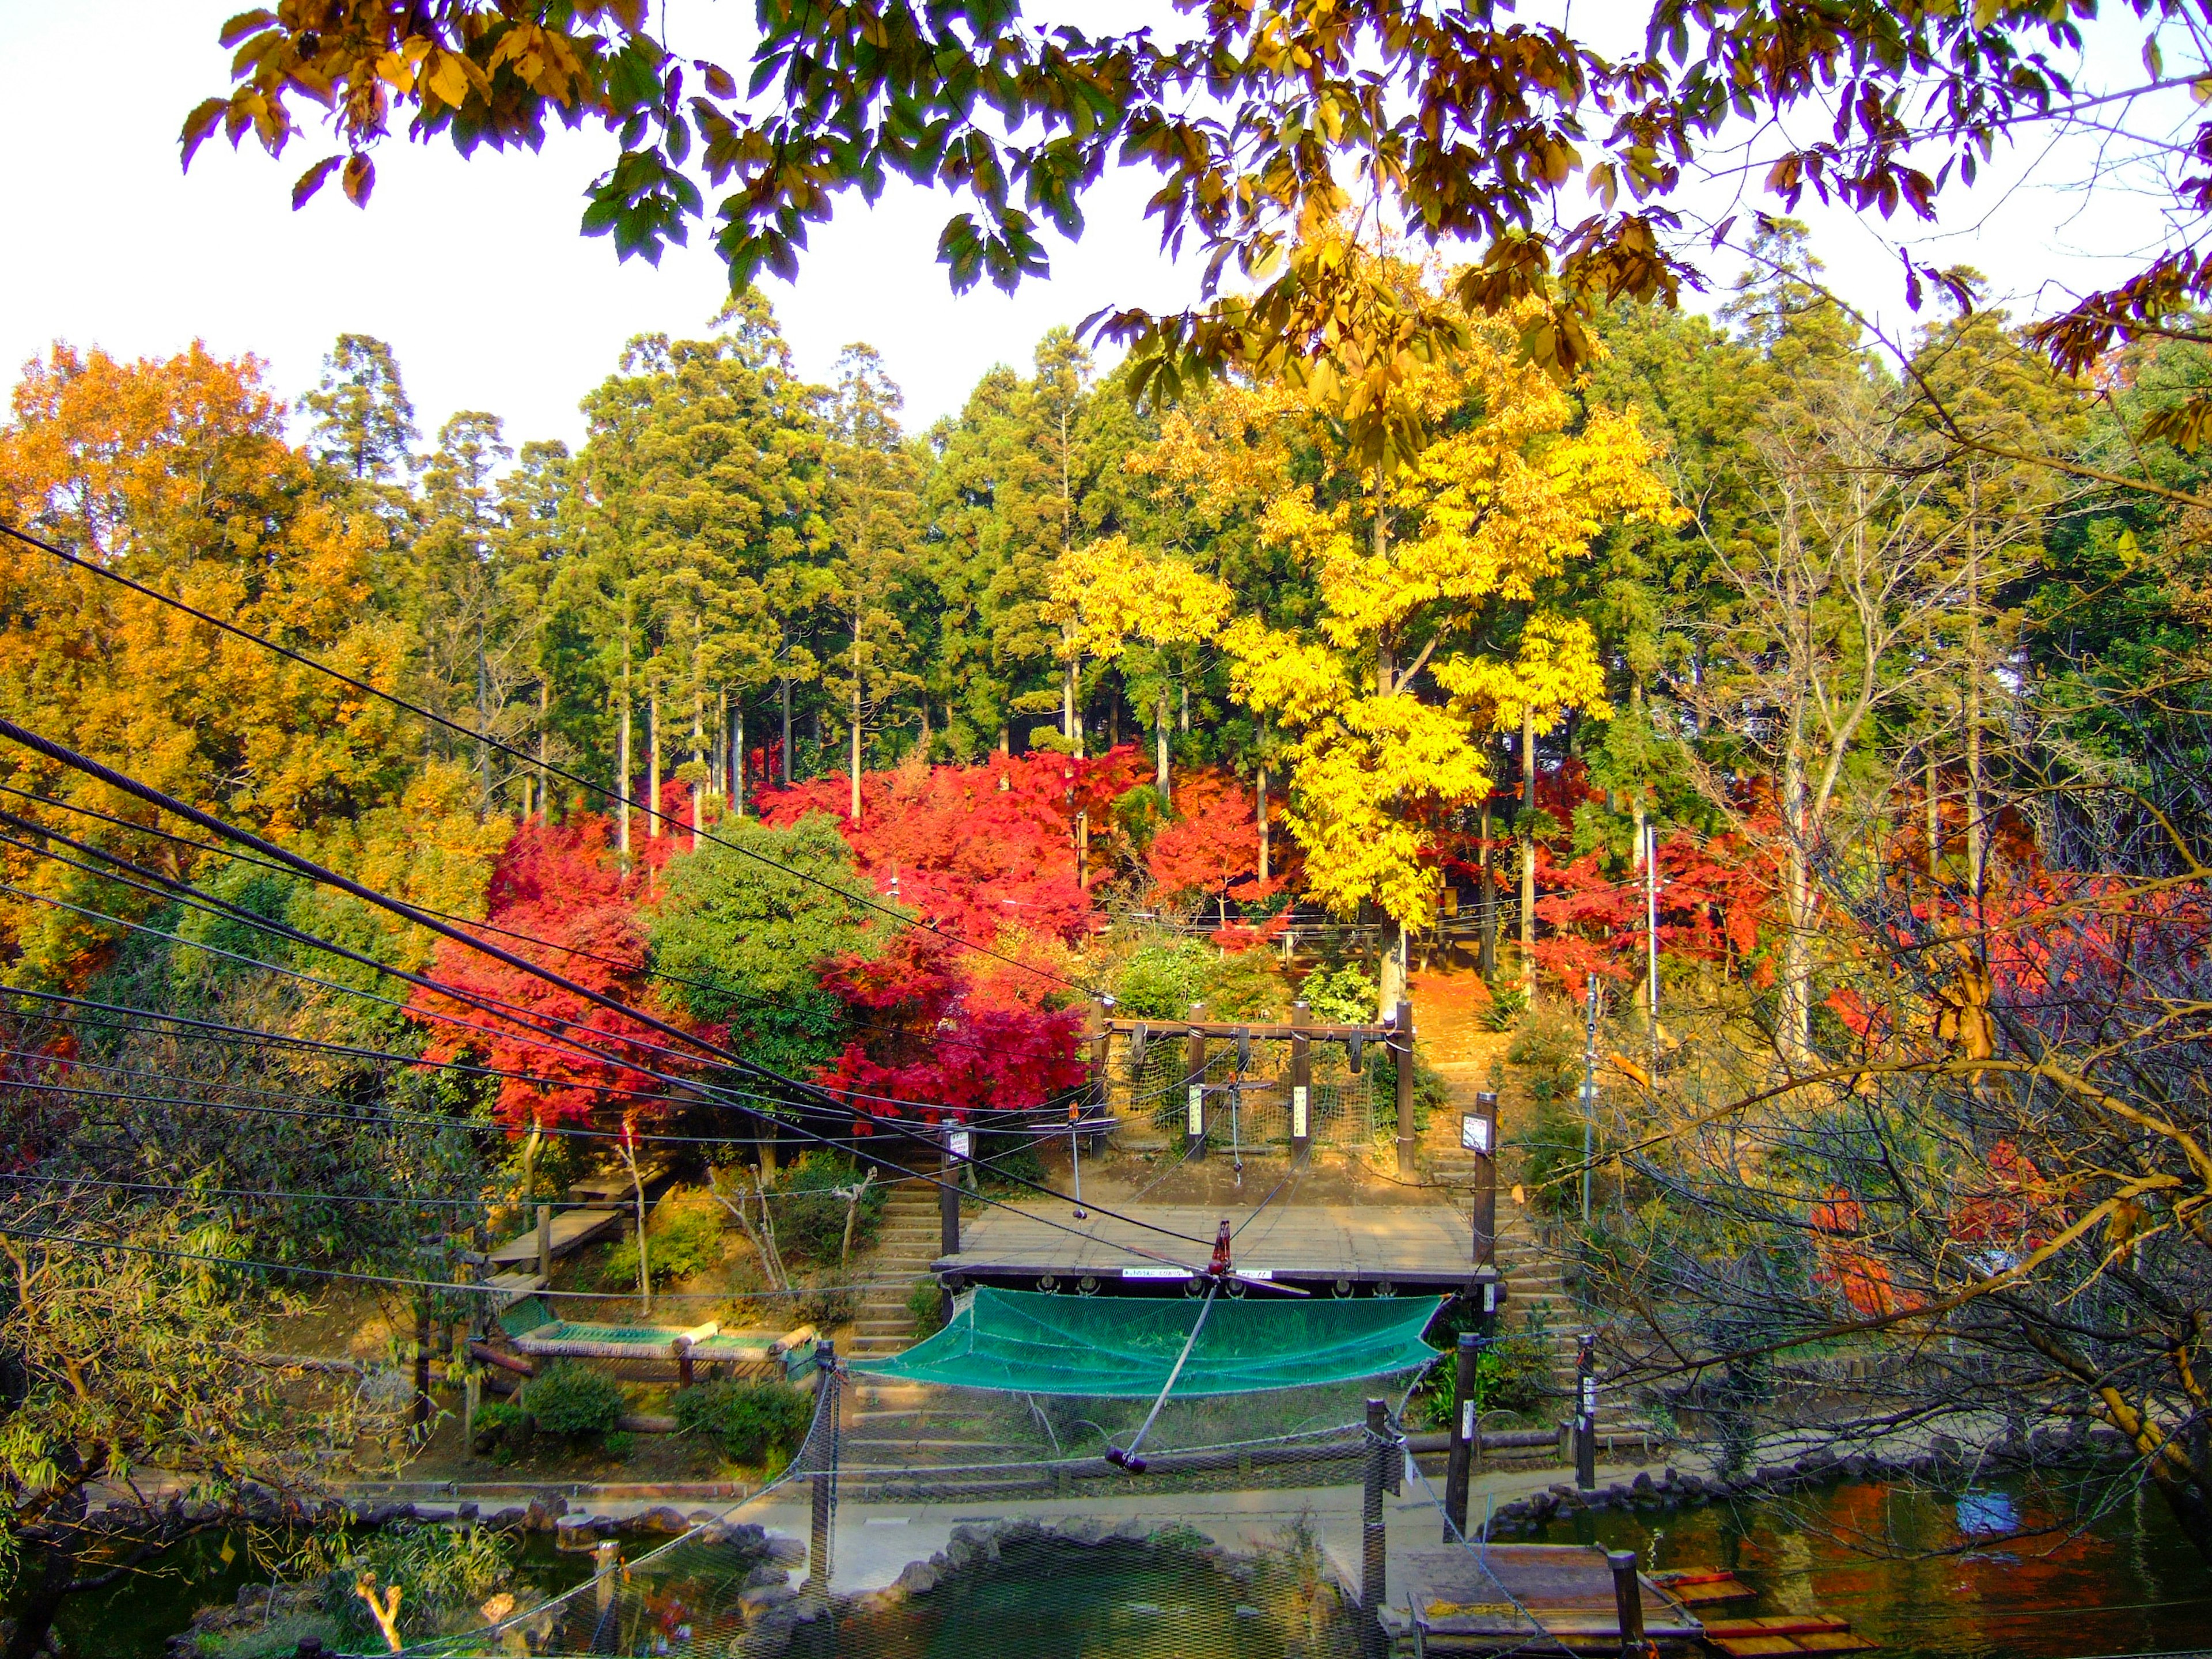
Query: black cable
x=215 y=1031
x=307 y=867
x=417 y=709
x=466 y=922
x=173 y=887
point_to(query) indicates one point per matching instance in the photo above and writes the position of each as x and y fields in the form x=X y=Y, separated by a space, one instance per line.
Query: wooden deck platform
x=1410 y=1248
x=572 y=1231
x=1511 y=1594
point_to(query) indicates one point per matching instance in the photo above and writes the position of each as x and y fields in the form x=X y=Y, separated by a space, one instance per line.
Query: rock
x=1248 y=1612
x=758 y=1599
x=917 y=1578
x=508 y=1519
x=467 y=1512
x=767 y=1573
x=783 y=1548
x=574 y=1531
x=433 y=1515
x=1643 y=1483
x=666 y=1521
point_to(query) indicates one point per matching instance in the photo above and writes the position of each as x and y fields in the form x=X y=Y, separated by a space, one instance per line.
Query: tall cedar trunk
x=740 y=762
x=544 y=770
x=484 y=725
x=785 y=765
x=622 y=834
x=698 y=762
x=854 y=764
x=652 y=761
x=1526 y=825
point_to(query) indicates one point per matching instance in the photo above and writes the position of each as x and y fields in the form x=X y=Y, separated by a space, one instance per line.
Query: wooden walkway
x=572 y=1231
x=1426 y=1247
x=1465 y=1601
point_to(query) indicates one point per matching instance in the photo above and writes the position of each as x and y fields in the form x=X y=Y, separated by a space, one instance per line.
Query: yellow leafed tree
x=1389 y=691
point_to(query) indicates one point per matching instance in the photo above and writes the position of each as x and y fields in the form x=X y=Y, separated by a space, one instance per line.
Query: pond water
x=1930 y=1576
x=1937 y=1576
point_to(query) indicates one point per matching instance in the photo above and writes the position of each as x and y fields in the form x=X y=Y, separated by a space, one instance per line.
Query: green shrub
x=495 y=1421
x=439 y=1570
x=925 y=1304
x=1512 y=1374
x=1008 y=1165
x=809 y=1217
x=1160 y=980
x=1245 y=985
x=1342 y=995
x=572 y=1400
x=747 y=1420
x=1508 y=1002
x=681 y=1240
x=619 y=1445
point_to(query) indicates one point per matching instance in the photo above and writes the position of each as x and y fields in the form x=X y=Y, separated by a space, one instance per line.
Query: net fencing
x=925 y=1519
x=1248 y=1091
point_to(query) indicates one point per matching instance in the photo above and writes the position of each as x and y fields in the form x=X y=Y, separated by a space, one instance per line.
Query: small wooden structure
x=1487 y=1599
x=1329 y=1250
x=1780 y=1633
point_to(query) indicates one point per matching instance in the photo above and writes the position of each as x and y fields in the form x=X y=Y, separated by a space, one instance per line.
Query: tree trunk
x=741 y=763
x=544 y=771
x=622 y=832
x=1976 y=837
x=1486 y=961
x=1260 y=813
x=785 y=766
x=1794 y=1027
x=1391 y=975
x=1526 y=825
x=652 y=761
x=855 y=761
x=35 y=1611
x=1160 y=750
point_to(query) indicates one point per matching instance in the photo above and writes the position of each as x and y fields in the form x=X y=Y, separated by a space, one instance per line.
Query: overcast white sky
x=476 y=274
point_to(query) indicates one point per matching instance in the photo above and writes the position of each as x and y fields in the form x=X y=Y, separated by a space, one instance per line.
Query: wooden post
x=1465 y=1436
x=545 y=1242
x=422 y=1403
x=1102 y=1047
x=1194 y=1069
x=948 y=1217
x=1485 y=1128
x=1401 y=1046
x=1374 y=1555
x=1627 y=1602
x=471 y=1397
x=606 y=1558
x=1586 y=1412
x=1301 y=1088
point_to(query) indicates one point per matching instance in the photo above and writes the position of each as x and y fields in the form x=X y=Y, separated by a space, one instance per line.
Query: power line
x=489 y=927
x=307 y=867
x=417 y=709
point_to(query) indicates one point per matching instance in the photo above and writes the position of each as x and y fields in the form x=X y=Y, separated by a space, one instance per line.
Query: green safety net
x=1125 y=1348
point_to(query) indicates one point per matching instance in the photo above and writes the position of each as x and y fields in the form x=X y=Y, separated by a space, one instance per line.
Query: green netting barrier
x=1124 y=1347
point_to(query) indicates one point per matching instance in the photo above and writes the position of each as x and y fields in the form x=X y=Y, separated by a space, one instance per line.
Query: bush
x=1160 y=980
x=1008 y=1166
x=1508 y=1002
x=825 y=1303
x=497 y=1420
x=681 y=1240
x=572 y=1400
x=1512 y=1374
x=747 y=1420
x=1245 y=985
x=439 y=1570
x=1343 y=996
x=809 y=1217
x=925 y=1304
x=619 y=1445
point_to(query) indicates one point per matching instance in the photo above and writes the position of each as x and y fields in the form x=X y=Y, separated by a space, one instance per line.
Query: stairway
x=904 y=1248
x=1537 y=1303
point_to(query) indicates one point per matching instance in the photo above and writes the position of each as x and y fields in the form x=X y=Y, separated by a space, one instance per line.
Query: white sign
x=1155 y=1273
x=957 y=1143
x=1197 y=1109
x=1466 y=1420
x=1298 y=1111
x=1474 y=1133
x=1263 y=1274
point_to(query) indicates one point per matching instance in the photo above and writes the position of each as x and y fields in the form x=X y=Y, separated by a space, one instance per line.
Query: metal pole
x=1465 y=1436
x=1401 y=1043
x=1301 y=1087
x=1590 y=1097
x=1627 y=1602
x=1193 y=1070
x=1586 y=1412
x=822 y=1533
x=1374 y=1552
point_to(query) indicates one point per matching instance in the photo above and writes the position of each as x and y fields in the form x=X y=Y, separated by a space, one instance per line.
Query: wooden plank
x=1779 y=1624
x=1368 y=1243
x=572 y=1231
x=1753 y=1647
x=1835 y=1641
x=1566 y=1589
x=1697 y=1593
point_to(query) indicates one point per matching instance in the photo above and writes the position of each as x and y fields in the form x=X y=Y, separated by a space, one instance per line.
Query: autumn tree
x=364 y=424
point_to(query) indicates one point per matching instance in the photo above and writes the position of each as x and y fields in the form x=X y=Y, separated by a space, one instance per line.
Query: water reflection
x=1944 y=1576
